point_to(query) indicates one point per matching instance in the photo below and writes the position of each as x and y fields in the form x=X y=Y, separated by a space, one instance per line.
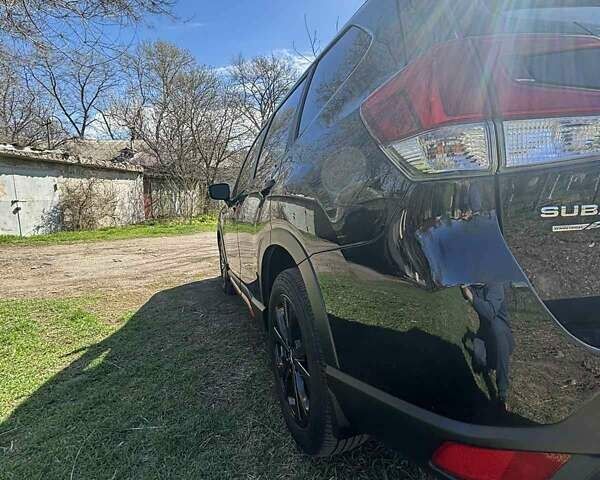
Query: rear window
x=277 y=137
x=571 y=68
x=425 y=23
x=480 y=17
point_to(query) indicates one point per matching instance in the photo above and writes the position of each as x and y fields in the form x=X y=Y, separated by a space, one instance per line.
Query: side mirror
x=219 y=191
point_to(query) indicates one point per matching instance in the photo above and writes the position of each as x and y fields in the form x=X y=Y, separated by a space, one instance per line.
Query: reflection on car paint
x=398 y=317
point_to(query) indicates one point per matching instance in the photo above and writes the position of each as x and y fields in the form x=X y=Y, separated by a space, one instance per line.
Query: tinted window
x=503 y=16
x=571 y=68
x=247 y=172
x=278 y=135
x=332 y=70
x=425 y=23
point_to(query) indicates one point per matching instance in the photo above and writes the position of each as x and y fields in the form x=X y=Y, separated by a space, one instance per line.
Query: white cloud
x=300 y=62
x=97 y=130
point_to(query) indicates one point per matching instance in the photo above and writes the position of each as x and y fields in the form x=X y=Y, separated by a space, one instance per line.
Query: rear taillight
x=550 y=140
x=518 y=92
x=434 y=116
x=446 y=149
x=473 y=463
x=406 y=114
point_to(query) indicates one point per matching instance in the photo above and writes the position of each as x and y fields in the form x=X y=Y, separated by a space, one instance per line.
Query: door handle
x=267 y=187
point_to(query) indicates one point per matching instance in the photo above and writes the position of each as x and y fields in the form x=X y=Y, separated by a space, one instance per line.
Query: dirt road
x=109 y=267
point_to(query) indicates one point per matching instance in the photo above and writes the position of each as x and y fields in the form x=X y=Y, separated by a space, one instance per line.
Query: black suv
x=418 y=227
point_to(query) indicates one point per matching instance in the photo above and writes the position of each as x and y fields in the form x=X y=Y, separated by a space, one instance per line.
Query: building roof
x=98 y=154
x=117 y=151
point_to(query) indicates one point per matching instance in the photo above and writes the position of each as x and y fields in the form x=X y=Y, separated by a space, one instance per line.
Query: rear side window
x=425 y=24
x=278 y=135
x=332 y=71
x=247 y=172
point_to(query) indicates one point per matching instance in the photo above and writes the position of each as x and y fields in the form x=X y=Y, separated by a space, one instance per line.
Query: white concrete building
x=31 y=182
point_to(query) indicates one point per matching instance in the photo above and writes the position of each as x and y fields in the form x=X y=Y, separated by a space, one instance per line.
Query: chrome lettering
x=587 y=210
x=550 y=212
x=563 y=211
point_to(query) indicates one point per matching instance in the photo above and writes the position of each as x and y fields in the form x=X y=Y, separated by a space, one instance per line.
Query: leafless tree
x=60 y=24
x=261 y=82
x=85 y=204
x=313 y=41
x=218 y=136
x=69 y=48
x=185 y=116
x=79 y=84
x=27 y=116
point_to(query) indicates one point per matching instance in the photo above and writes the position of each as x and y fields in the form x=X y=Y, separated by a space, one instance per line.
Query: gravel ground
x=117 y=266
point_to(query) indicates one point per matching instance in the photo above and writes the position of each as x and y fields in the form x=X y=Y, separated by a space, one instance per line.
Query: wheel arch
x=285 y=251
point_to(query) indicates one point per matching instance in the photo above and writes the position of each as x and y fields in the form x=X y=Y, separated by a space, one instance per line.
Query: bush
x=84 y=205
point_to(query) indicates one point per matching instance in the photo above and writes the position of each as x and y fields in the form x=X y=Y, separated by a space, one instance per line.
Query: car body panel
x=562 y=265
x=253 y=229
x=230 y=238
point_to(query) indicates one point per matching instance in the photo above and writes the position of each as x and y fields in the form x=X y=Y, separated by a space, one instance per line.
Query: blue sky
x=216 y=31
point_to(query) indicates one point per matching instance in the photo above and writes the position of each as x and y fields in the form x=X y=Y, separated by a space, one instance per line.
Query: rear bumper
x=396 y=421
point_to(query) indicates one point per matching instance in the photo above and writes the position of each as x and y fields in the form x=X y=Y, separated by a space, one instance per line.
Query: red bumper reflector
x=474 y=463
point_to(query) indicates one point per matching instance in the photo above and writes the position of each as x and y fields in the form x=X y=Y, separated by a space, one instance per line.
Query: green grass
x=34 y=336
x=179 y=388
x=147 y=229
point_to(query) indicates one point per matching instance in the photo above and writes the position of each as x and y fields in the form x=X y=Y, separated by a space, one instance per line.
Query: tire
x=298 y=367
x=225 y=280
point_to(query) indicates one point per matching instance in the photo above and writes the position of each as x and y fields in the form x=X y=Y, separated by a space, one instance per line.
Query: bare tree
x=79 y=84
x=27 y=116
x=153 y=72
x=85 y=204
x=313 y=41
x=261 y=82
x=69 y=48
x=218 y=135
x=179 y=111
x=60 y=24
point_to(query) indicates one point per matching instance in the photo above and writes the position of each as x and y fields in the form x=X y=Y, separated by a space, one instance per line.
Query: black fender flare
x=288 y=241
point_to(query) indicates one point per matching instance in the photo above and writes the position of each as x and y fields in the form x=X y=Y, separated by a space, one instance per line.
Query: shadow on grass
x=182 y=390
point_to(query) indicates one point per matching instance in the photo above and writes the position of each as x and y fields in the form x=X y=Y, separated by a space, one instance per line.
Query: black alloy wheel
x=290 y=361
x=299 y=370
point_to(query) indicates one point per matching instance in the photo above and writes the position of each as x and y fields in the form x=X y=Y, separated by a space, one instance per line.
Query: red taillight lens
x=427 y=118
x=456 y=87
x=443 y=86
x=473 y=463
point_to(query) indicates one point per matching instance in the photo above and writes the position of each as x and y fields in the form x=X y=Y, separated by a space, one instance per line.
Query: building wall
x=164 y=199
x=37 y=186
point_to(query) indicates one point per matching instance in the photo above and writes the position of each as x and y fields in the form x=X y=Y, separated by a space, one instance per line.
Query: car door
x=254 y=214
x=238 y=199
